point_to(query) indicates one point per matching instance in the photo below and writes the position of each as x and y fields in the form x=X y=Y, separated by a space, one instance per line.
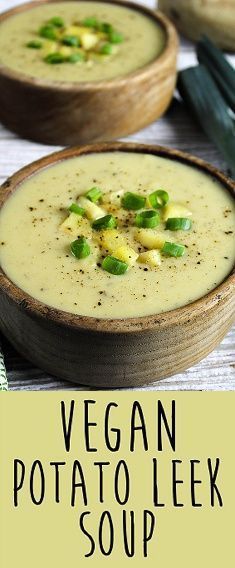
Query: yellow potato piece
x=75 y=224
x=151 y=257
x=72 y=31
x=150 y=239
x=175 y=210
x=126 y=254
x=65 y=50
x=92 y=210
x=89 y=40
x=110 y=239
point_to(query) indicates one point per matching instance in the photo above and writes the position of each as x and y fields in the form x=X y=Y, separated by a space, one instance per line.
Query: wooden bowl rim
x=144 y=323
x=171 y=46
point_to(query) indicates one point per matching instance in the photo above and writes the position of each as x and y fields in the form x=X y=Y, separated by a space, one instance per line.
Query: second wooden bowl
x=72 y=113
x=119 y=352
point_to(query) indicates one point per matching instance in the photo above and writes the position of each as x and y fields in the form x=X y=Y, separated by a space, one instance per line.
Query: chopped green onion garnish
x=55 y=58
x=57 y=22
x=133 y=201
x=106 y=49
x=90 y=23
x=172 y=249
x=75 y=57
x=48 y=31
x=147 y=219
x=106 y=222
x=106 y=28
x=94 y=194
x=74 y=208
x=34 y=44
x=115 y=37
x=71 y=40
x=178 y=224
x=80 y=248
x=158 y=198
x=114 y=266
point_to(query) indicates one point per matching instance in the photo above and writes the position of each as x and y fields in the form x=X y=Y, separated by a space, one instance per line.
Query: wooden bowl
x=119 y=352
x=72 y=113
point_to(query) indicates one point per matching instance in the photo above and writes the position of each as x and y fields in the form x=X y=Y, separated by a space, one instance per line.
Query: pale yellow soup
x=144 y=41
x=35 y=252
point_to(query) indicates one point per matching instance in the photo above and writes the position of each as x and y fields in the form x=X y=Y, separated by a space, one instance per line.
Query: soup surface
x=139 y=41
x=35 y=246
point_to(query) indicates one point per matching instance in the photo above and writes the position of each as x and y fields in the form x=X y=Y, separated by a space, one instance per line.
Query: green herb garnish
x=114 y=266
x=115 y=37
x=106 y=28
x=158 y=199
x=74 y=41
x=90 y=23
x=57 y=21
x=94 y=194
x=106 y=222
x=48 y=32
x=55 y=58
x=172 y=249
x=133 y=201
x=178 y=224
x=147 y=219
x=106 y=49
x=75 y=57
x=80 y=248
x=74 y=208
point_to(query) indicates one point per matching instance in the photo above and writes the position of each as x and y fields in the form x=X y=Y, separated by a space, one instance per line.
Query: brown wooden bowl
x=114 y=352
x=77 y=113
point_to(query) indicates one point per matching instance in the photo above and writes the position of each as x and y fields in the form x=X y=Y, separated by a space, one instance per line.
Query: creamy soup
x=39 y=224
x=79 y=41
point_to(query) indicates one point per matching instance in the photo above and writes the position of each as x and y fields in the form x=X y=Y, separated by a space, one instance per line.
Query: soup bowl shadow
x=114 y=352
x=64 y=113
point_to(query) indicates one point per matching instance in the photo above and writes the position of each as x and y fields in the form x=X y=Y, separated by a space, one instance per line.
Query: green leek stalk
x=219 y=67
x=200 y=92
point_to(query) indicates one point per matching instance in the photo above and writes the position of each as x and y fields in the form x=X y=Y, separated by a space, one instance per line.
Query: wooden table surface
x=175 y=129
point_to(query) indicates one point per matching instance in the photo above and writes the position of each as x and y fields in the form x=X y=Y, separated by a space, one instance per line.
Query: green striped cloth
x=3 y=375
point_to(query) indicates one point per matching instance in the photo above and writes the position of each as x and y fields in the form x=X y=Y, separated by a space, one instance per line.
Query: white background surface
x=176 y=129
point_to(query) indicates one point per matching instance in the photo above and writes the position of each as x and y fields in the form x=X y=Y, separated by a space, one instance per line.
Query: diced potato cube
x=89 y=40
x=84 y=227
x=150 y=239
x=73 y=31
x=81 y=30
x=151 y=257
x=126 y=254
x=110 y=239
x=93 y=211
x=175 y=210
x=70 y=225
x=65 y=50
x=49 y=47
x=75 y=224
